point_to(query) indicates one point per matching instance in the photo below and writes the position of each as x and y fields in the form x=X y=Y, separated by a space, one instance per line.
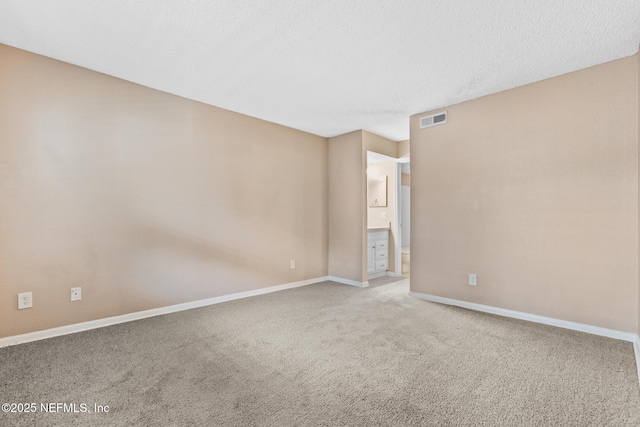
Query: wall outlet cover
x=25 y=300
x=473 y=280
x=76 y=294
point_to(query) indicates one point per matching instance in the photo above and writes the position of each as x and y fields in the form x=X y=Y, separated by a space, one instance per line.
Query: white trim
x=108 y=321
x=348 y=282
x=636 y=351
x=397 y=235
x=595 y=330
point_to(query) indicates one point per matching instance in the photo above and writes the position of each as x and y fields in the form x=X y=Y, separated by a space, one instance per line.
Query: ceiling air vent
x=433 y=120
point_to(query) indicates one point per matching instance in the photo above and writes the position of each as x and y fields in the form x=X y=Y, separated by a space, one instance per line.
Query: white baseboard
x=636 y=350
x=595 y=330
x=348 y=282
x=108 y=321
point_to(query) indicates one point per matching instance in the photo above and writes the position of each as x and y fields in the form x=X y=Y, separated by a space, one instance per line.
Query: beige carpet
x=326 y=355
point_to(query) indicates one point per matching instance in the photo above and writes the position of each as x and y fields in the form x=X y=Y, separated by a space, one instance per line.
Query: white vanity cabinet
x=378 y=253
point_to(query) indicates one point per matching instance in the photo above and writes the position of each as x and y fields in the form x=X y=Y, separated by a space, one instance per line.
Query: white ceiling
x=332 y=66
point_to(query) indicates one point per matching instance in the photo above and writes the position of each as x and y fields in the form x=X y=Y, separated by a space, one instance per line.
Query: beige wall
x=378 y=144
x=347 y=207
x=403 y=149
x=144 y=199
x=535 y=189
x=405 y=179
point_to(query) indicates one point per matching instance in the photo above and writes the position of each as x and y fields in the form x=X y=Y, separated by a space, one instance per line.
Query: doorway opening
x=388 y=216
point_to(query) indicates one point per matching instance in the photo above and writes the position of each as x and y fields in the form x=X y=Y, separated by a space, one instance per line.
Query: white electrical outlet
x=25 y=300
x=292 y=263
x=473 y=280
x=76 y=294
x=383 y=215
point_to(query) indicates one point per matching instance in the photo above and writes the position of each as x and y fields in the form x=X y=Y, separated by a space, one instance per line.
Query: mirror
x=377 y=190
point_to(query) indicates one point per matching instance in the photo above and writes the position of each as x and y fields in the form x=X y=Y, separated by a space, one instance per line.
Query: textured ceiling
x=327 y=67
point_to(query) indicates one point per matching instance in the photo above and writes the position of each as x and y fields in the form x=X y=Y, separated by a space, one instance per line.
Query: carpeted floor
x=325 y=355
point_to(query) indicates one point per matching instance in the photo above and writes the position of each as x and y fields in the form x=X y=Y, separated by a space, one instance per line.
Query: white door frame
x=398 y=235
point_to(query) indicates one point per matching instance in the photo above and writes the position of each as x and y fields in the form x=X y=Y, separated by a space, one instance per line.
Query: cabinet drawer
x=381 y=254
x=382 y=265
x=382 y=244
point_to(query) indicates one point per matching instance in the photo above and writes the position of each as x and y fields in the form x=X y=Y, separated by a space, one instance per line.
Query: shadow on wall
x=144 y=199
x=168 y=266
